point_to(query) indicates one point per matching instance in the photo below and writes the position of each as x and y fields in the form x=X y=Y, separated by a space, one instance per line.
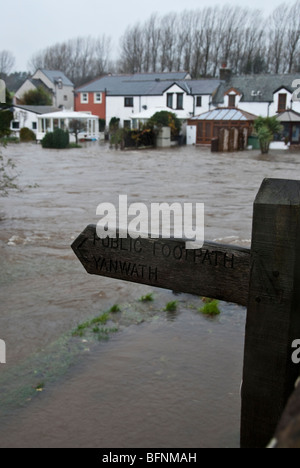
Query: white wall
x=115 y=105
x=25 y=119
x=265 y=109
x=62 y=97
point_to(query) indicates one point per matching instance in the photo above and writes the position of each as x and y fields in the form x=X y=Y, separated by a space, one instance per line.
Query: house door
x=204 y=133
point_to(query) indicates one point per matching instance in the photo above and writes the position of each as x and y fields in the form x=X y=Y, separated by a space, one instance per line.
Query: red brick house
x=92 y=101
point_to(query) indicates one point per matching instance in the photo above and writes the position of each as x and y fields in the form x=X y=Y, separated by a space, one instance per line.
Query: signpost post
x=266 y=279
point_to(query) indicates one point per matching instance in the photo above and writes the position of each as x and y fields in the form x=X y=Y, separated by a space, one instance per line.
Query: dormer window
x=232 y=100
x=282 y=101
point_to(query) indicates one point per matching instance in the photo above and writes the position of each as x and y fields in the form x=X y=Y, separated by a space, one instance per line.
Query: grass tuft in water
x=147 y=298
x=171 y=306
x=210 y=308
x=82 y=327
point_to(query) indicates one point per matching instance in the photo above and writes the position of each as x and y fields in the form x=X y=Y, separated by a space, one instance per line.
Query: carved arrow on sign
x=216 y=271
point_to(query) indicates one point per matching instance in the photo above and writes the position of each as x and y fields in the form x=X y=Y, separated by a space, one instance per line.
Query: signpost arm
x=273 y=319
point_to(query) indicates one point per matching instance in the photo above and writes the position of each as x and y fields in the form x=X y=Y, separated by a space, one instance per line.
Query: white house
x=132 y=97
x=262 y=95
x=55 y=82
x=27 y=116
x=135 y=102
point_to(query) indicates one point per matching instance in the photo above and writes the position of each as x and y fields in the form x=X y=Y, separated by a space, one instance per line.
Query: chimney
x=225 y=72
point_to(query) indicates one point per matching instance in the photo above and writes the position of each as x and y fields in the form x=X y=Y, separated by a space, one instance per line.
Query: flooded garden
x=96 y=362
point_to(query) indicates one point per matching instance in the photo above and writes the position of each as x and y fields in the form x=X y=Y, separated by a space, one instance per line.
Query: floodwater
x=152 y=378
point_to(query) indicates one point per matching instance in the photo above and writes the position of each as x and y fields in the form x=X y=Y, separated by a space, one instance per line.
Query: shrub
x=266 y=128
x=6 y=116
x=114 y=124
x=27 y=135
x=137 y=138
x=166 y=119
x=59 y=139
x=37 y=97
x=101 y=125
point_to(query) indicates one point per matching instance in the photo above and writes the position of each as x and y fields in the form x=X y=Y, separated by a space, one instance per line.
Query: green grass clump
x=79 y=331
x=147 y=298
x=211 y=308
x=115 y=308
x=171 y=306
x=82 y=327
x=102 y=319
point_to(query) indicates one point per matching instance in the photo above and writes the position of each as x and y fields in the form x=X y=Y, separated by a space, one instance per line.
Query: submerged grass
x=22 y=383
x=147 y=298
x=210 y=308
x=83 y=327
x=171 y=306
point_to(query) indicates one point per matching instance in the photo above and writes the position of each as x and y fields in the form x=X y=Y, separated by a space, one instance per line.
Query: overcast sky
x=28 y=26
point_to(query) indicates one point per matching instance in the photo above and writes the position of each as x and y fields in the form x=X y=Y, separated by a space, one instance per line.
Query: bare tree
x=198 y=41
x=277 y=38
x=169 y=33
x=7 y=61
x=132 y=50
x=102 y=63
x=81 y=59
x=292 y=40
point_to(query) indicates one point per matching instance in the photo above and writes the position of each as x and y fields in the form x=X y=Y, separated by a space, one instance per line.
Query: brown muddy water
x=143 y=377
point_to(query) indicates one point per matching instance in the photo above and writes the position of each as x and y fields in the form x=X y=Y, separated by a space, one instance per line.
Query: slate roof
x=288 y=116
x=38 y=83
x=148 y=85
x=38 y=109
x=54 y=75
x=266 y=84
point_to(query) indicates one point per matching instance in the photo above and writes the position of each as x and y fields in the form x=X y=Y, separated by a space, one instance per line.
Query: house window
x=179 y=101
x=199 y=101
x=282 y=100
x=232 y=99
x=97 y=98
x=170 y=100
x=128 y=102
x=15 y=125
x=34 y=125
x=127 y=124
x=65 y=97
x=84 y=98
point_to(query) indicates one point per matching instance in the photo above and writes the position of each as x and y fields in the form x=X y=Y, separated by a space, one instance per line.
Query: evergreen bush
x=27 y=135
x=59 y=139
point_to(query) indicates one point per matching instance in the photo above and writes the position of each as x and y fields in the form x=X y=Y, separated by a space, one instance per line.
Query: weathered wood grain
x=217 y=271
x=273 y=317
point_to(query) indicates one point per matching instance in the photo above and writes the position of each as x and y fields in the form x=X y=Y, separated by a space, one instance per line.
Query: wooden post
x=273 y=319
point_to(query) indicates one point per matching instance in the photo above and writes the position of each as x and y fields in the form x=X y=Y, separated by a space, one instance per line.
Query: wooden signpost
x=266 y=279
